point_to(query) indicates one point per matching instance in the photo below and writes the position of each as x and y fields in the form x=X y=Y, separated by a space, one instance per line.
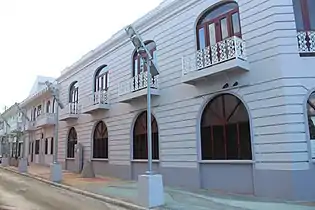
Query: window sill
x=70 y=158
x=144 y=161
x=100 y=159
x=226 y=161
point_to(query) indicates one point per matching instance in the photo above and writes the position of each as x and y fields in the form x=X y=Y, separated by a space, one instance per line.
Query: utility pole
x=151 y=190
x=23 y=160
x=55 y=167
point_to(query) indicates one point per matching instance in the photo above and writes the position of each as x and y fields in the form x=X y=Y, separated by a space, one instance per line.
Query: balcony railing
x=100 y=97
x=46 y=119
x=137 y=83
x=73 y=108
x=306 y=41
x=220 y=52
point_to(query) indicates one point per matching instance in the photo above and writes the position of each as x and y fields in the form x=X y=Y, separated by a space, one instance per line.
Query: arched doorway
x=140 y=144
x=72 y=141
x=225 y=141
x=100 y=141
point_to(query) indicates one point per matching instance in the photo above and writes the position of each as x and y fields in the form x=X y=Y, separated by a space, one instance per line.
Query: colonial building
x=39 y=131
x=233 y=104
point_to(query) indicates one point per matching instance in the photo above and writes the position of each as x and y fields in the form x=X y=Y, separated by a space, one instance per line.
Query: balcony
x=16 y=126
x=30 y=126
x=70 y=112
x=46 y=119
x=227 y=55
x=306 y=42
x=136 y=87
x=98 y=101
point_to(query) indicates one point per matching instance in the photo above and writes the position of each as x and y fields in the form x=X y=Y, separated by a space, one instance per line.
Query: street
x=23 y=193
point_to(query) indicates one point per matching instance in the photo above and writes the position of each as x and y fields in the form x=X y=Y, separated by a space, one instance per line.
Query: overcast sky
x=42 y=37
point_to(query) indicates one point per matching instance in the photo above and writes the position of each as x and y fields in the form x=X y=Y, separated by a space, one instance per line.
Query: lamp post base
x=5 y=161
x=55 y=172
x=22 y=165
x=151 y=190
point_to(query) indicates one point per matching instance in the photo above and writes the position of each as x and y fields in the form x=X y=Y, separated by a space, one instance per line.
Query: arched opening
x=73 y=97
x=48 y=109
x=217 y=24
x=72 y=141
x=140 y=140
x=100 y=141
x=139 y=67
x=225 y=130
x=311 y=115
x=34 y=113
x=101 y=84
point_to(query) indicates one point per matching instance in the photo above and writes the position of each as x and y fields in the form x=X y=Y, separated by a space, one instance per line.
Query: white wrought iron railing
x=73 y=108
x=137 y=83
x=306 y=41
x=220 y=52
x=100 y=97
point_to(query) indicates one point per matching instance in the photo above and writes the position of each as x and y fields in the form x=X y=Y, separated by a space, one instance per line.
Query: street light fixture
x=23 y=161
x=150 y=185
x=55 y=167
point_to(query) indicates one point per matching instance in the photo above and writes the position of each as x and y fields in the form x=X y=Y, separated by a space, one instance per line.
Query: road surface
x=23 y=193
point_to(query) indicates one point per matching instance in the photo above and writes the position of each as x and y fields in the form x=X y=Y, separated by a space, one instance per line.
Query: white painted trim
x=100 y=159
x=144 y=161
x=226 y=162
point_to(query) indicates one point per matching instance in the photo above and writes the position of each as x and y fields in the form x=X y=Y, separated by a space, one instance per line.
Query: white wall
x=275 y=102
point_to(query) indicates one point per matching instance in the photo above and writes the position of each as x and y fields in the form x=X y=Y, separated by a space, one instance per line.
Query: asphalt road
x=23 y=193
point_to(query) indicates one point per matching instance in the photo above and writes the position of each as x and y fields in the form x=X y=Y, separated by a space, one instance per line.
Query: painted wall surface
x=274 y=92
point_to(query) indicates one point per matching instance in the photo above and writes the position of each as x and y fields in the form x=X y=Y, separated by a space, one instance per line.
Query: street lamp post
x=150 y=185
x=55 y=167
x=23 y=160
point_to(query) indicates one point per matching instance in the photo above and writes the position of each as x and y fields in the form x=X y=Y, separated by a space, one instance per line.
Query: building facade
x=232 y=107
x=39 y=130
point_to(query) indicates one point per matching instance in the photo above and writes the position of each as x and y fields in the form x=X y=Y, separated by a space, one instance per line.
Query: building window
x=138 y=64
x=101 y=79
x=46 y=146
x=53 y=106
x=52 y=146
x=304 y=14
x=48 y=107
x=100 y=141
x=140 y=147
x=36 y=147
x=311 y=115
x=34 y=114
x=39 y=110
x=72 y=141
x=225 y=130
x=218 y=24
x=74 y=97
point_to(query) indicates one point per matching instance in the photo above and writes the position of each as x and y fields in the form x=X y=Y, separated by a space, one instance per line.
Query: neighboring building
x=39 y=131
x=10 y=134
x=223 y=118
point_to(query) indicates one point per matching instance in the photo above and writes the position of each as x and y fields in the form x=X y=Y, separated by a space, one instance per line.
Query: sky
x=43 y=37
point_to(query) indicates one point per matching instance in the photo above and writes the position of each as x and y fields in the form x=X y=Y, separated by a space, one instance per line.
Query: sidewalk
x=175 y=199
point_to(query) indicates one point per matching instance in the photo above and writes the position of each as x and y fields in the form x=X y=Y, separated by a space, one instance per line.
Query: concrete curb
x=105 y=199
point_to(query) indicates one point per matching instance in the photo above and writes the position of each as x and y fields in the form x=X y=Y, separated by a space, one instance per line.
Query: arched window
x=53 y=106
x=101 y=79
x=140 y=141
x=72 y=141
x=311 y=115
x=34 y=113
x=74 y=93
x=138 y=64
x=218 y=24
x=225 y=130
x=304 y=11
x=48 y=107
x=100 y=141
